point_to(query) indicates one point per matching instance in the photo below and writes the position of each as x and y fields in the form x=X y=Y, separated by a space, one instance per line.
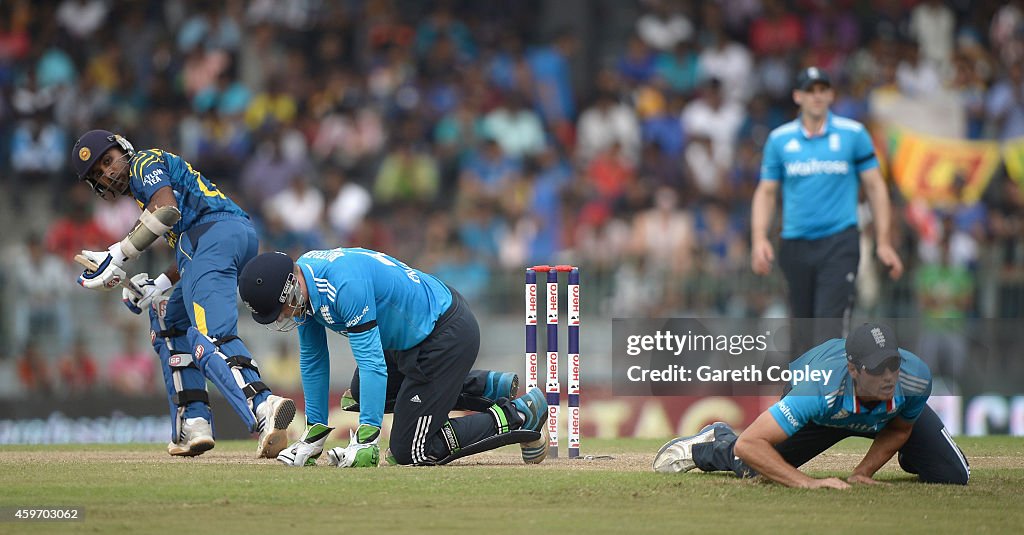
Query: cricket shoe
x=535 y=408
x=195 y=438
x=501 y=385
x=677 y=455
x=272 y=419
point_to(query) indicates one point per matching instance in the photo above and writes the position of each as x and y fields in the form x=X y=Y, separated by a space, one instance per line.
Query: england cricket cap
x=810 y=76
x=871 y=344
x=262 y=285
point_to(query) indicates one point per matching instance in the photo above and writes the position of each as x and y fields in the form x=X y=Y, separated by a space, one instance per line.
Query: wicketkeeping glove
x=362 y=450
x=307 y=449
x=108 y=273
x=142 y=289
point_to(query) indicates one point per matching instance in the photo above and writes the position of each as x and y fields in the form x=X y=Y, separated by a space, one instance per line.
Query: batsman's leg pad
x=490 y=443
x=185 y=384
x=239 y=358
x=228 y=377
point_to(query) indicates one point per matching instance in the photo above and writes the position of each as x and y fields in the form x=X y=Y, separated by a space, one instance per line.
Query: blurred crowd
x=473 y=138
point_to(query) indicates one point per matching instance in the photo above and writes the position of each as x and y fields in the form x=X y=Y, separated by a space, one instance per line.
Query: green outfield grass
x=139 y=489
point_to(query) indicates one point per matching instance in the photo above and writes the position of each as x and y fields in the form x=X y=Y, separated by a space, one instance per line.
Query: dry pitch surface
x=140 y=489
x=605 y=460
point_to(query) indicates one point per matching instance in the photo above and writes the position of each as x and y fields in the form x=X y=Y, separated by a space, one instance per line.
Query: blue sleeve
x=373 y=375
x=915 y=404
x=315 y=367
x=795 y=410
x=771 y=164
x=359 y=313
x=864 y=152
x=148 y=174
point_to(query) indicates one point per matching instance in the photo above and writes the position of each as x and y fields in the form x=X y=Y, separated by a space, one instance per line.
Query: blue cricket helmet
x=92 y=145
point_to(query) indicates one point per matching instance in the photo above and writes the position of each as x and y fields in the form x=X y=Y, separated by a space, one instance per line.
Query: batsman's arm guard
x=151 y=226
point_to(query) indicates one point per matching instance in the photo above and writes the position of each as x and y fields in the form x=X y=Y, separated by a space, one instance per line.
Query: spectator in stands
x=932 y=24
x=408 y=173
x=945 y=295
x=347 y=204
x=679 y=68
x=664 y=236
x=730 y=62
x=553 y=90
x=489 y=172
x=41 y=283
x=604 y=124
x=664 y=26
x=637 y=63
x=81 y=18
x=1005 y=103
x=131 y=372
x=776 y=31
x=515 y=127
x=269 y=172
x=300 y=209
x=76 y=229
x=78 y=370
x=37 y=149
x=34 y=371
x=716 y=118
x=917 y=77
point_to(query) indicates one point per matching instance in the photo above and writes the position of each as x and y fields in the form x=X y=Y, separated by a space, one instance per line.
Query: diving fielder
x=881 y=392
x=195 y=329
x=414 y=340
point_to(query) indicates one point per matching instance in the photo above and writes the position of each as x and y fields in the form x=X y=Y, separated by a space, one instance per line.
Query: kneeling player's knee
x=949 y=477
x=402 y=453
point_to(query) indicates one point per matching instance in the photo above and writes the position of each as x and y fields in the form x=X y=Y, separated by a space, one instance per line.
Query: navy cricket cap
x=871 y=344
x=89 y=148
x=262 y=285
x=810 y=76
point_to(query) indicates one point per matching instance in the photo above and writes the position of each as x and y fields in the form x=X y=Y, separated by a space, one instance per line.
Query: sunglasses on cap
x=890 y=364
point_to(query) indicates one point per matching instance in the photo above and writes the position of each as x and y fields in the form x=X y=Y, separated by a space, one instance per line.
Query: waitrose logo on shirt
x=817 y=167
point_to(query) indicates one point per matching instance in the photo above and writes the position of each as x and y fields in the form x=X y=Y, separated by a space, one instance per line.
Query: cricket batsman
x=195 y=328
x=414 y=340
x=876 y=390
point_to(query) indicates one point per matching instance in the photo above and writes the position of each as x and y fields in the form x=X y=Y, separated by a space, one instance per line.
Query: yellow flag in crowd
x=1013 y=155
x=926 y=167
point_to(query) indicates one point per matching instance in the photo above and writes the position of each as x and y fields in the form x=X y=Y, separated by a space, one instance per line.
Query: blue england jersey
x=379 y=303
x=198 y=199
x=836 y=405
x=820 y=175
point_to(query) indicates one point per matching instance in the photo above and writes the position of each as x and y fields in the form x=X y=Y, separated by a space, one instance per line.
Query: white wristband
x=117 y=254
x=162 y=283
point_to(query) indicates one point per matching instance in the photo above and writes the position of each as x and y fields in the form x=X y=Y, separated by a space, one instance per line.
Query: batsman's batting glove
x=108 y=272
x=362 y=450
x=306 y=450
x=141 y=290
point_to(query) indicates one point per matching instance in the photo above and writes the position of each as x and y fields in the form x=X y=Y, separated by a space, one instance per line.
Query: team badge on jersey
x=833 y=142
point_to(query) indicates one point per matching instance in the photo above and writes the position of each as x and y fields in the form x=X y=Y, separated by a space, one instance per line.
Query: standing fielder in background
x=195 y=330
x=820 y=159
x=876 y=390
x=414 y=340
